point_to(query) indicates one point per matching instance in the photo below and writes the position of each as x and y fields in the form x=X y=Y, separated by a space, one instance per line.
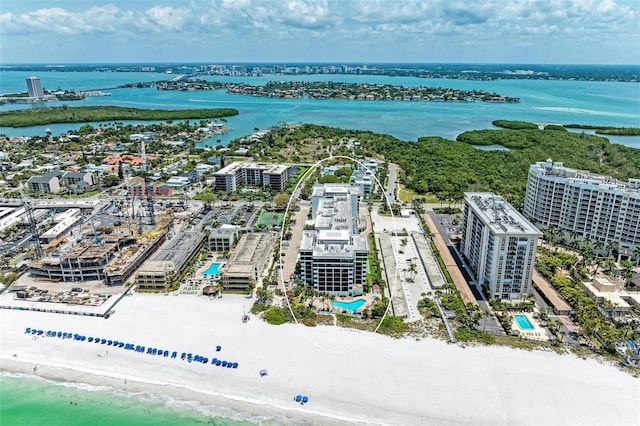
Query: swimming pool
x=354 y=305
x=212 y=269
x=523 y=322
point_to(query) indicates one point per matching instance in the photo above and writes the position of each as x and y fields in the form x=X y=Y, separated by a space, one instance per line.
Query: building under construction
x=110 y=253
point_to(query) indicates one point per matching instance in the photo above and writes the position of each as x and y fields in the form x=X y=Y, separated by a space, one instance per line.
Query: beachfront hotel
x=594 y=206
x=34 y=88
x=273 y=177
x=333 y=256
x=499 y=244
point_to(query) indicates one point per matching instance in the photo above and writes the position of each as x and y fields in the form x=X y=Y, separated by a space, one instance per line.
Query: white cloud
x=392 y=23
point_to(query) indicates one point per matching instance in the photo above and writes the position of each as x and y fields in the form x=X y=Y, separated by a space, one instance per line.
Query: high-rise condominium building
x=34 y=87
x=499 y=245
x=594 y=206
x=333 y=256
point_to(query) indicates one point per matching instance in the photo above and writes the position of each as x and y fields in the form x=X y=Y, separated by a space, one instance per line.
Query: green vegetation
x=467 y=334
x=435 y=165
x=277 y=316
x=64 y=114
x=393 y=326
x=514 y=125
x=607 y=130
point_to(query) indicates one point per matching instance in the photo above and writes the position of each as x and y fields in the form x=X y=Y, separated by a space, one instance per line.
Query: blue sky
x=368 y=31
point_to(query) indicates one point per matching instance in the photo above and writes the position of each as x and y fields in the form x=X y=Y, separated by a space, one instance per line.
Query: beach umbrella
x=174 y=354
x=59 y=333
x=120 y=344
x=184 y=354
x=224 y=363
x=218 y=362
x=305 y=399
x=235 y=365
x=166 y=353
x=229 y=364
x=109 y=342
x=28 y=330
x=214 y=360
x=90 y=339
x=205 y=360
x=218 y=348
x=298 y=398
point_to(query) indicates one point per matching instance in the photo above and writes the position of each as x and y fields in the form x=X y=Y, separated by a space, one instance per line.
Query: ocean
x=541 y=101
x=31 y=400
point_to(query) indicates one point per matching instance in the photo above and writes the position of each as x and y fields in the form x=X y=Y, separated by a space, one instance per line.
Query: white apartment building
x=499 y=245
x=272 y=177
x=333 y=256
x=34 y=88
x=595 y=206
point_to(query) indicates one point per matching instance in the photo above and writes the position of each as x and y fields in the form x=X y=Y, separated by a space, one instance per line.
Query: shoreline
x=241 y=408
x=350 y=377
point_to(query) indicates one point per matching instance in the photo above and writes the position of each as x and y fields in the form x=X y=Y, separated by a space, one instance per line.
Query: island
x=332 y=90
x=64 y=114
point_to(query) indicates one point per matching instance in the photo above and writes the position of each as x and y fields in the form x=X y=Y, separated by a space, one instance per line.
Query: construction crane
x=147 y=186
x=31 y=224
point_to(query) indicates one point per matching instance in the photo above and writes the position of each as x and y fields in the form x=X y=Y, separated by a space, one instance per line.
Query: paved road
x=391 y=188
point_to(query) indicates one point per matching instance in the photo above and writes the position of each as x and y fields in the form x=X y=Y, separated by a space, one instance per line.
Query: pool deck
x=538 y=333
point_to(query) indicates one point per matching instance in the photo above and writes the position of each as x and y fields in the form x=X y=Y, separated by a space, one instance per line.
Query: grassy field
x=63 y=114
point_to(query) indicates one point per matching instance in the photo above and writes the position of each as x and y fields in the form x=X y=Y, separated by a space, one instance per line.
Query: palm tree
x=403 y=244
x=627 y=271
x=636 y=252
x=598 y=246
x=611 y=247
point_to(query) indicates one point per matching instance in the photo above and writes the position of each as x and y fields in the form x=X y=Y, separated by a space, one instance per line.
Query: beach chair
x=263 y=372
x=174 y=354
x=166 y=353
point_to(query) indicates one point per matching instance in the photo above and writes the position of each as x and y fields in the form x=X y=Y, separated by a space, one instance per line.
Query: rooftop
x=558 y=170
x=500 y=216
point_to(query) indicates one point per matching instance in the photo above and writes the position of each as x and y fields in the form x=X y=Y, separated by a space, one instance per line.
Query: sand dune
x=349 y=376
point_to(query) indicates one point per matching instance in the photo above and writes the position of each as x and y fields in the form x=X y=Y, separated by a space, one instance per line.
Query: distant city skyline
x=330 y=31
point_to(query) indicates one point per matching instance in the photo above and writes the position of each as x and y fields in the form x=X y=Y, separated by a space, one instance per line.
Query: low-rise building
x=170 y=261
x=223 y=239
x=247 y=261
x=48 y=183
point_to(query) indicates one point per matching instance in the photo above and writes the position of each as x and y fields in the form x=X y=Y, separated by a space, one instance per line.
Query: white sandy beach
x=349 y=376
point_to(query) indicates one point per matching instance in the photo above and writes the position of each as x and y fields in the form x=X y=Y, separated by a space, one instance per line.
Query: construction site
x=109 y=252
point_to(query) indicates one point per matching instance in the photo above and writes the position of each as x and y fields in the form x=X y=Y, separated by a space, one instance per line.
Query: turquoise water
x=212 y=269
x=523 y=322
x=354 y=305
x=27 y=400
x=584 y=102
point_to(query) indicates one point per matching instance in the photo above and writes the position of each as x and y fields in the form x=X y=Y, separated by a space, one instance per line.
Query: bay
x=542 y=101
